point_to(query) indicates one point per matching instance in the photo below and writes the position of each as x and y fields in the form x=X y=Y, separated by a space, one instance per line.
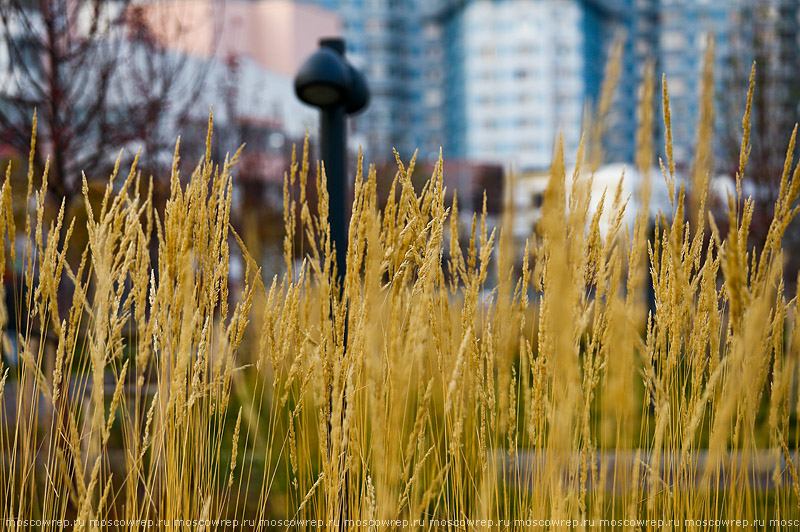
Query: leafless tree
x=100 y=80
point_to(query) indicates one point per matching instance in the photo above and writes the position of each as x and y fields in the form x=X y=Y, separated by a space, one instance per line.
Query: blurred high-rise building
x=385 y=39
x=684 y=29
x=515 y=78
x=635 y=22
x=488 y=81
x=767 y=32
x=499 y=80
x=254 y=50
x=673 y=34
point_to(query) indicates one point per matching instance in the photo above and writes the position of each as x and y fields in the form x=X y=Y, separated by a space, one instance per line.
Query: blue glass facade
x=636 y=22
x=684 y=29
x=455 y=85
x=495 y=79
x=517 y=75
x=674 y=35
x=386 y=40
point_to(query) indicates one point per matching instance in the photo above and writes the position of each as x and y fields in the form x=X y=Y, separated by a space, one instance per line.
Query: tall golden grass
x=406 y=397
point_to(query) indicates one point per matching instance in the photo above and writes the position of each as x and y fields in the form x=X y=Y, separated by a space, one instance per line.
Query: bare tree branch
x=101 y=81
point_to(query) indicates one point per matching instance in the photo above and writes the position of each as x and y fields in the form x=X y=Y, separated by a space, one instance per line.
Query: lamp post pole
x=328 y=81
x=333 y=133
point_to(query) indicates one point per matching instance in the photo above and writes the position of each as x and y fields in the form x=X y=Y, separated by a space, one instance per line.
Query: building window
x=677 y=86
x=433 y=97
x=374 y=26
x=673 y=40
x=433 y=31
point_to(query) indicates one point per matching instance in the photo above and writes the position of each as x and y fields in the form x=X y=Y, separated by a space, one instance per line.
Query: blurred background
x=491 y=83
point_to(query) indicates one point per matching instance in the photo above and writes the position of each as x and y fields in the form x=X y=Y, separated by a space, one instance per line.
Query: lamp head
x=358 y=94
x=327 y=79
x=324 y=79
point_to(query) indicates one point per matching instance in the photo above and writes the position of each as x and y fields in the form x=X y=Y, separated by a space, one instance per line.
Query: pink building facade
x=277 y=34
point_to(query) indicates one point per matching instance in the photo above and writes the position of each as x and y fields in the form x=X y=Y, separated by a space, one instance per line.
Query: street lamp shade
x=324 y=80
x=358 y=93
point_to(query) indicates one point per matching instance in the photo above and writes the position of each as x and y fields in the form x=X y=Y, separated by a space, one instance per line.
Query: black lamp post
x=328 y=81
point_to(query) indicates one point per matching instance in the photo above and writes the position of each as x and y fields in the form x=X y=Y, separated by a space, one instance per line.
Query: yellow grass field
x=417 y=395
